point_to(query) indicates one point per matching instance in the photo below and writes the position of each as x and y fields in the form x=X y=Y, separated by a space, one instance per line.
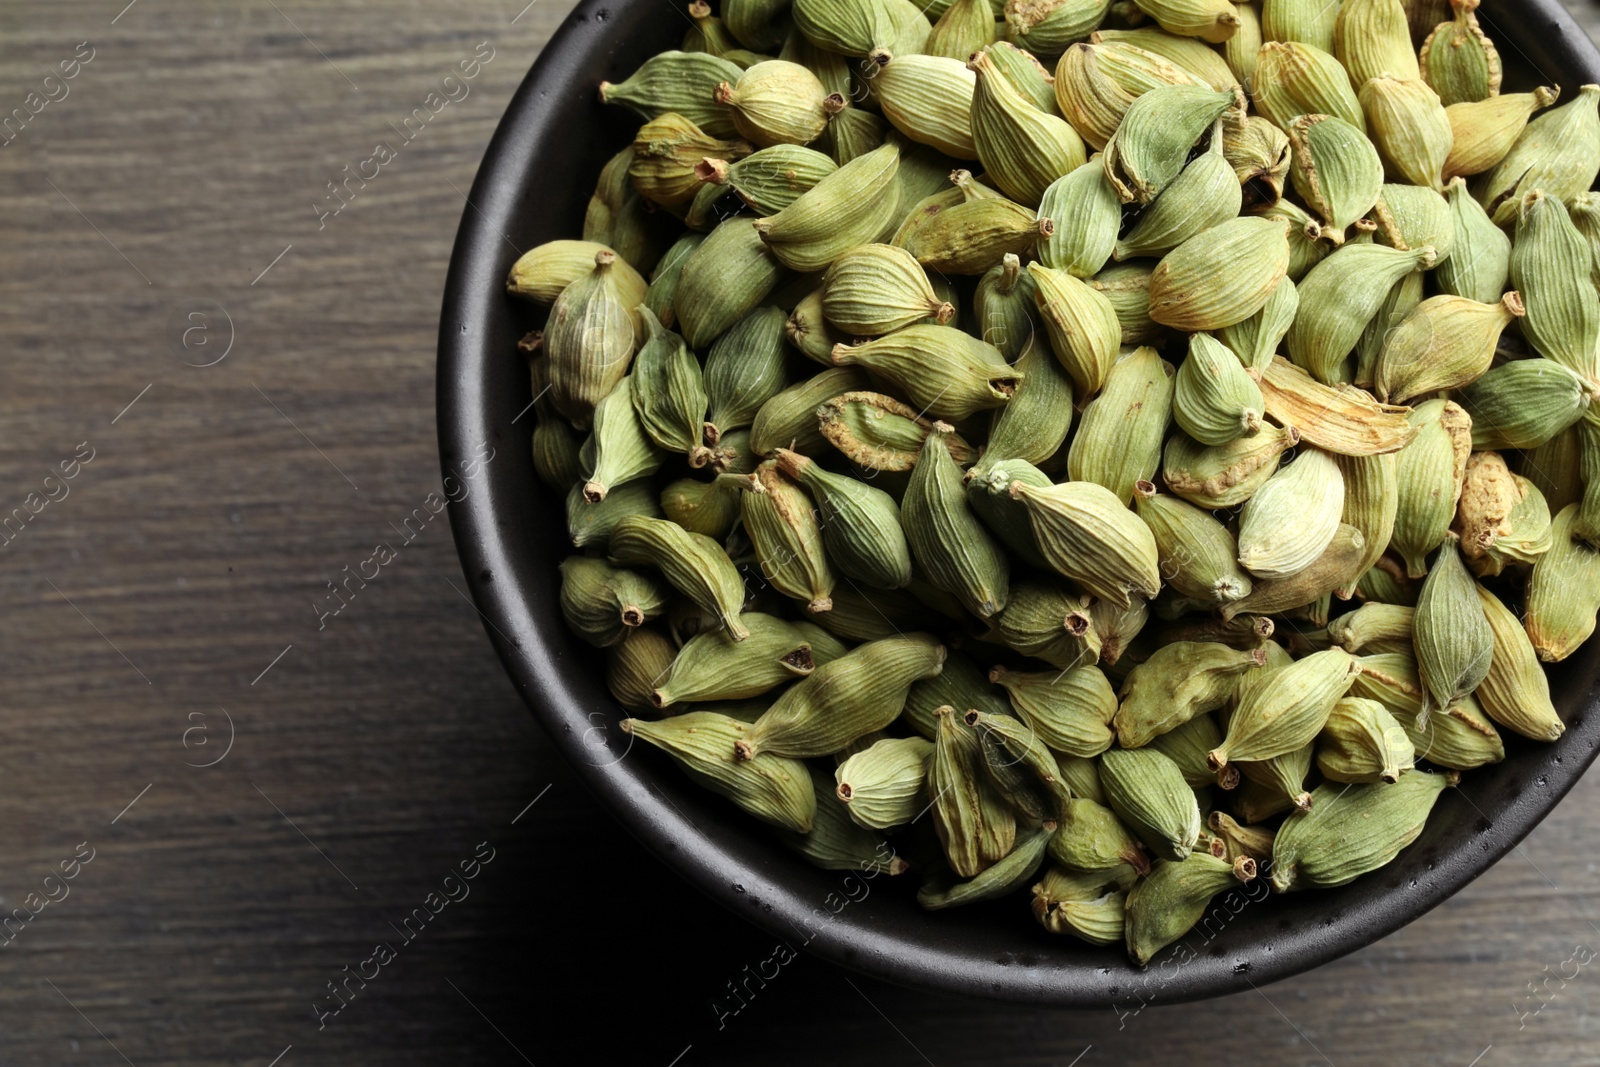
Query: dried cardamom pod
x=1126 y=287
x=1085 y=215
x=1222 y=276
x=1351 y=830
x=1255 y=340
x=860 y=523
x=782 y=525
x=542 y=272
x=1213 y=21
x=1483 y=132
x=1371 y=38
x=1550 y=266
x=1184 y=50
x=591 y=524
x=723 y=280
x=634 y=665
x=965 y=27
x=1063 y=908
x=743 y=370
x=852 y=206
x=974 y=825
x=1205 y=194
x=836 y=842
x=602 y=604
x=693 y=564
x=1223 y=476
x=1337 y=567
x=1452 y=638
x=947 y=541
x=1448 y=342
x=1006 y=876
x=789 y=419
x=1149 y=795
x=1242 y=51
x=1096 y=82
x=1292 y=518
x=1118 y=443
x=1459 y=737
x=710 y=508
x=1503 y=517
x=1252 y=841
x=1362 y=742
x=681 y=82
x=1198 y=555
x=1008 y=318
x=1307 y=246
x=1048 y=27
x=665 y=152
x=771 y=179
x=668 y=394
x=1082 y=324
x=589 y=340
x=886 y=785
x=974 y=235
x=1090 y=839
x=1259 y=154
x=949 y=373
x=929 y=99
x=618 y=451
x=840 y=701
x=1401 y=300
x=1069 y=710
x=1166 y=904
x=1524 y=403
x=1554 y=153
x=1282 y=776
x=962 y=685
x=1152 y=143
x=1296 y=78
x=1022 y=148
x=1187 y=746
x=1459 y=60
x=1409 y=126
x=1050 y=621
x=1285 y=708
x=773 y=789
x=710 y=666
x=1338 y=297
x=876 y=289
x=1371 y=502
x=1215 y=400
x=1088 y=535
x=1303 y=21
x=878 y=432
x=809 y=331
x=1563 y=592
x=1515 y=692
x=707 y=34
x=1429 y=472
x=1335 y=169
x=1480 y=263
x=1178 y=682
x=664 y=279
x=1410 y=216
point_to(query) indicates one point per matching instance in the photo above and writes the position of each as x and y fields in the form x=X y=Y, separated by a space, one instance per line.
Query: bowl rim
x=499 y=575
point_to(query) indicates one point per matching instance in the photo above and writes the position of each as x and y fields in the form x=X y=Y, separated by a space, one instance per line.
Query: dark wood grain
x=377 y=752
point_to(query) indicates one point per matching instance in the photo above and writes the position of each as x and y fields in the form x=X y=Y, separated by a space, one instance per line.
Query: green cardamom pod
x=1584 y=210
x=1050 y=621
x=1452 y=638
x=879 y=433
x=860 y=523
x=1335 y=169
x=789 y=419
x=1007 y=316
x=1337 y=567
x=1242 y=51
x=1013 y=748
x=876 y=289
x=1254 y=340
x=1213 y=21
x=743 y=370
x=771 y=179
x=1555 y=468
x=1554 y=153
x=1551 y=268
x=1586 y=528
x=974 y=235
x=1152 y=143
x=1362 y=742
x=1410 y=216
x=1149 y=795
x=1290 y=521
x=947 y=541
x=965 y=27
x=840 y=701
x=1309 y=244
x=665 y=152
x=759 y=25
x=1338 y=297
x=1484 y=131
x=1409 y=126
x=620 y=219
x=1282 y=776
x=1215 y=399
x=1285 y=708
x=618 y=451
x=1295 y=78
x=1401 y=300
x=708 y=34
x=886 y=785
x=1089 y=838
x=634 y=664
x=989 y=493
x=778 y=102
x=1524 y=403
x=974 y=826
x=1352 y=830
x=1459 y=737
x=1085 y=215
x=1222 y=276
x=853 y=29
x=810 y=332
x=1372 y=38
x=693 y=564
x=710 y=666
x=1303 y=21
x=1259 y=154
x=1223 y=476
x=1178 y=682
x=1187 y=746
x=556 y=446
x=783 y=529
x=1563 y=592
x=773 y=789
x=1480 y=263
x=664 y=279
x=962 y=685
x=668 y=394
x=681 y=82
x=1025 y=73
x=1118 y=626
x=1089 y=536
x=1447 y=342
x=589 y=340
x=946 y=372
x=929 y=99
x=602 y=604
x=1504 y=518
x=1006 y=876
x=1069 y=710
x=1085 y=332
x=1126 y=287
x=1048 y=27
x=1166 y=904
x=1371 y=503
x=1205 y=194
x=591 y=524
x=710 y=508
x=852 y=206
x=1118 y=443
x=1022 y=149
x=1199 y=557
x=1515 y=692
x=1183 y=49
x=1459 y=60
x=1096 y=82
x=723 y=280
x=542 y=272
x=836 y=842
x=1429 y=472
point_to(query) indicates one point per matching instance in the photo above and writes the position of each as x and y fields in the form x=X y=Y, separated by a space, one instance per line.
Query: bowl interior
x=533 y=186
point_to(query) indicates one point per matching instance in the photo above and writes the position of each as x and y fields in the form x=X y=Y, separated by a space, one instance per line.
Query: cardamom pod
x=773 y=789
x=771 y=179
x=664 y=279
x=1215 y=399
x=1338 y=566
x=1338 y=297
x=1480 y=263
x=1401 y=300
x=1082 y=324
x=929 y=99
x=1167 y=903
x=1448 y=342
x=1304 y=21
x=852 y=206
x=1563 y=592
x=880 y=433
x=1149 y=795
x=1452 y=638
x=1294 y=78
x=1118 y=443
x=1362 y=742
x=618 y=450
x=1459 y=60
x=1049 y=620
x=743 y=370
x=1096 y=82
x=853 y=29
x=1022 y=148
x=1198 y=555
x=710 y=666
x=1205 y=194
x=1335 y=169
x=876 y=289
x=1069 y=710
x=947 y=541
x=1088 y=535
x=1223 y=476
x=1524 y=403
x=1351 y=830
x=1410 y=127
x=1152 y=143
x=589 y=340
x=723 y=280
x=1184 y=50
x=603 y=604
x=1085 y=215
x=974 y=826
x=1290 y=521
x=1006 y=876
x=1285 y=708
x=1008 y=317
x=1515 y=692
x=681 y=82
x=1178 y=682
x=542 y=272
x=965 y=27
x=1259 y=154
x=710 y=508
x=1126 y=287
x=1187 y=745
x=634 y=664
x=1213 y=21
x=1222 y=276
x=668 y=394
x=789 y=419
x=1089 y=838
x=860 y=523
x=1482 y=133
x=974 y=235
x=885 y=785
x=1371 y=38
x=1554 y=153
x=1048 y=27
x=1551 y=266
x=1254 y=340
x=948 y=373
x=1459 y=737
x=693 y=564
x=1371 y=502
x=782 y=525
x=665 y=152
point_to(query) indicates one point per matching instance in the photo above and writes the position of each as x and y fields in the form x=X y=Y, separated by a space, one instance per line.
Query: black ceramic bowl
x=533 y=185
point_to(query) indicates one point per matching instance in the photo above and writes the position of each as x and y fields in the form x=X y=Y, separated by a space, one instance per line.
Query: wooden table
x=251 y=794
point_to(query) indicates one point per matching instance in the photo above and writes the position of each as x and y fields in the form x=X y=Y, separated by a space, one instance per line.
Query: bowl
x=533 y=185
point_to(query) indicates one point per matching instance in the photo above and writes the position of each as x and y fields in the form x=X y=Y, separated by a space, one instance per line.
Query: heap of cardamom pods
x=1116 y=484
